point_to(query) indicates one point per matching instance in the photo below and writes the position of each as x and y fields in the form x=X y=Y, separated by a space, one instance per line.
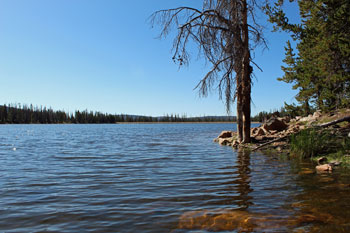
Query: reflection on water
x=158 y=178
x=318 y=208
x=243 y=169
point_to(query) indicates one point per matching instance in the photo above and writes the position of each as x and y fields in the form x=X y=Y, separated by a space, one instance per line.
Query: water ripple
x=145 y=178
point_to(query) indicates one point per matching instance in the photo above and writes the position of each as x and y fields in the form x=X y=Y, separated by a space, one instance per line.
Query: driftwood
x=269 y=142
x=324 y=125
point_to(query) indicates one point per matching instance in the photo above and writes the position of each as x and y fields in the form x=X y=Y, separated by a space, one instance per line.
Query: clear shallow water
x=152 y=177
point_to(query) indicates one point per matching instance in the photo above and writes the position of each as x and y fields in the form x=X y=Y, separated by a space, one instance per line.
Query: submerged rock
x=221 y=220
x=244 y=221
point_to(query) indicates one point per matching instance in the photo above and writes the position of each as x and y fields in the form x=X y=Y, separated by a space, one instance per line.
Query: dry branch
x=269 y=142
x=324 y=125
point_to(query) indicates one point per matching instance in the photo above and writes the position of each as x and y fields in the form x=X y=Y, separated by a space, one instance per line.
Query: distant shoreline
x=196 y=122
x=128 y=123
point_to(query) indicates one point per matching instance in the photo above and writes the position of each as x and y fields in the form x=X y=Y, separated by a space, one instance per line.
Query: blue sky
x=104 y=56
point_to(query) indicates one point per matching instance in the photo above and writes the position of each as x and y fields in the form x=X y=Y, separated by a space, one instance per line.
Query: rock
x=260 y=132
x=226 y=134
x=235 y=144
x=225 y=141
x=286 y=119
x=275 y=124
x=321 y=160
x=224 y=220
x=244 y=221
x=317 y=114
x=335 y=163
x=260 y=138
x=273 y=132
x=306 y=171
x=302 y=127
x=307 y=119
x=324 y=168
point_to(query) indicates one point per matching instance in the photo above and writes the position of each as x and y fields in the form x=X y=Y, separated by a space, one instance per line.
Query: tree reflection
x=244 y=178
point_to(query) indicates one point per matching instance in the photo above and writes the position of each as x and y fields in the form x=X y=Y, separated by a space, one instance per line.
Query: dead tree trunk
x=222 y=32
x=246 y=71
x=239 y=111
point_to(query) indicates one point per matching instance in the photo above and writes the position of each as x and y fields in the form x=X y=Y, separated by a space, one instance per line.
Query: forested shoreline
x=24 y=114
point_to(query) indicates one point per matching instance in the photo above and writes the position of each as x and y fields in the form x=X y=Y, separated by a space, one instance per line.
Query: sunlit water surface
x=158 y=178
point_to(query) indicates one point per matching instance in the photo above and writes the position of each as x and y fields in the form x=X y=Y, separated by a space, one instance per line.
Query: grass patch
x=312 y=142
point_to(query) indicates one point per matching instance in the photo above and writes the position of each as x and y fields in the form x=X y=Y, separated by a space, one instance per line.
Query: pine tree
x=321 y=69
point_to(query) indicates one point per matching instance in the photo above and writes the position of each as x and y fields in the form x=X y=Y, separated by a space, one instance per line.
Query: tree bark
x=246 y=72
x=239 y=111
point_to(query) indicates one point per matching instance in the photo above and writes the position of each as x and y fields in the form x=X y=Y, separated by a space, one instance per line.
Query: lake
x=158 y=178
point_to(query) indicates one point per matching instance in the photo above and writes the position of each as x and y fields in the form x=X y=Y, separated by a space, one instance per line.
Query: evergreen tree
x=321 y=69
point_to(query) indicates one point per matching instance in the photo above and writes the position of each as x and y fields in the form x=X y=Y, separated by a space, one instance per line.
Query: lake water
x=158 y=178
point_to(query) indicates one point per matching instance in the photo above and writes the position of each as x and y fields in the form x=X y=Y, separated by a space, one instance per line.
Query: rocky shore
x=275 y=133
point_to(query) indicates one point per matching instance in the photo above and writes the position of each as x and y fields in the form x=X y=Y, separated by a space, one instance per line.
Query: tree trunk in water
x=246 y=72
x=239 y=111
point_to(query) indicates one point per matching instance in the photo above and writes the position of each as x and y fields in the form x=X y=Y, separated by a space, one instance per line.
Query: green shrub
x=311 y=142
x=316 y=142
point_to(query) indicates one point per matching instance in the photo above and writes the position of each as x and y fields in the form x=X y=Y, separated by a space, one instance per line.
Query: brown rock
x=253 y=130
x=324 y=168
x=302 y=127
x=275 y=124
x=260 y=132
x=306 y=171
x=286 y=119
x=222 y=220
x=273 y=131
x=235 y=143
x=260 y=138
x=225 y=141
x=317 y=114
x=226 y=134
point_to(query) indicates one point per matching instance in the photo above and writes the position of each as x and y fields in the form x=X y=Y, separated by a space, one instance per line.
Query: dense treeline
x=24 y=114
x=319 y=65
x=291 y=110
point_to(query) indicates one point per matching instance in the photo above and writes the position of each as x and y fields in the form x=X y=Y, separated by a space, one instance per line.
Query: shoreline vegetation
x=24 y=114
x=322 y=137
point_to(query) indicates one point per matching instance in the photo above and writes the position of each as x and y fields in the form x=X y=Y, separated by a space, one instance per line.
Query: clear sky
x=102 y=55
